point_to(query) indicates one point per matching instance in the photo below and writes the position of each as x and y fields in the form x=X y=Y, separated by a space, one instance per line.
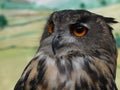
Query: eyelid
x=80 y=24
x=85 y=25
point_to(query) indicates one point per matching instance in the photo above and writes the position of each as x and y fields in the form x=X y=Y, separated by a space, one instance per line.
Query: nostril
x=59 y=37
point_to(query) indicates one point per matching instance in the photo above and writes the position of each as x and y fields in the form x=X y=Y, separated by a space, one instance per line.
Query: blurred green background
x=21 y=26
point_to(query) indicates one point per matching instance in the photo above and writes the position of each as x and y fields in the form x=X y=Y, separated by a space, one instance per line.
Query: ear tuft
x=110 y=20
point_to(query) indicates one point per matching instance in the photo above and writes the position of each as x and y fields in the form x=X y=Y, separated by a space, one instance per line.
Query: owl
x=77 y=52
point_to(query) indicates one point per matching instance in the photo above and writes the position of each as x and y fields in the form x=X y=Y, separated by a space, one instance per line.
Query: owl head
x=80 y=31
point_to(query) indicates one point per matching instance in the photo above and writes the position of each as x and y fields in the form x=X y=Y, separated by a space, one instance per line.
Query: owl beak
x=56 y=43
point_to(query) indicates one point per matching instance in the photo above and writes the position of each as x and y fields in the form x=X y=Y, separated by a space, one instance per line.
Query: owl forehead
x=57 y=18
x=71 y=16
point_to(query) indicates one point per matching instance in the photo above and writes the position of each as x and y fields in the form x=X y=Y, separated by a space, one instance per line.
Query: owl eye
x=79 y=31
x=50 y=28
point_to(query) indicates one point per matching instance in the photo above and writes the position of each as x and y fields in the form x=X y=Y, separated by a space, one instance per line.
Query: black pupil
x=79 y=29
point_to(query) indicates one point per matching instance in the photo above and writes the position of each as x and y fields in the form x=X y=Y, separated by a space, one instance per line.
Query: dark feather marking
x=84 y=83
x=60 y=66
x=111 y=72
x=96 y=53
x=27 y=75
x=40 y=78
x=35 y=58
x=41 y=70
x=77 y=87
x=61 y=86
x=74 y=54
x=106 y=58
x=67 y=67
x=103 y=82
x=93 y=74
x=113 y=86
x=103 y=55
x=33 y=84
x=21 y=84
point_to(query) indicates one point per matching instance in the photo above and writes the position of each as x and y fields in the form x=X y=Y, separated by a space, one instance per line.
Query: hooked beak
x=56 y=43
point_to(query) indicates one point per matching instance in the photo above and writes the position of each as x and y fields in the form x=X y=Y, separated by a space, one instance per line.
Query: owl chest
x=64 y=75
x=76 y=73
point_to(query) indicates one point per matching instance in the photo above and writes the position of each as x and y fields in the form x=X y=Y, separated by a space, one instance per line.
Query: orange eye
x=50 y=28
x=79 y=31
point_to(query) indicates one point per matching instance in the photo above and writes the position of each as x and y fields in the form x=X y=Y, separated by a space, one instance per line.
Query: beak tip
x=53 y=49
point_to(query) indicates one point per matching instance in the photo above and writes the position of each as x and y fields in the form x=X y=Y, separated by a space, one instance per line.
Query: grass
x=18 y=44
x=118 y=71
x=12 y=63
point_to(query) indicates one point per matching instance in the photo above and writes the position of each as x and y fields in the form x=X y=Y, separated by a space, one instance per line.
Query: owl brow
x=78 y=23
x=73 y=25
x=84 y=19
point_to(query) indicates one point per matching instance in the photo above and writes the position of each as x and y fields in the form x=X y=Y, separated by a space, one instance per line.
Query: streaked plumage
x=77 y=52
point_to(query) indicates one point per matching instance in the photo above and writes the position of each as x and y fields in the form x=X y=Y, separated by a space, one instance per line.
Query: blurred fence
x=69 y=4
x=12 y=5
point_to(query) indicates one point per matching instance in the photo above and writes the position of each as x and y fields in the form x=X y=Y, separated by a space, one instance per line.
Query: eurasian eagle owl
x=77 y=52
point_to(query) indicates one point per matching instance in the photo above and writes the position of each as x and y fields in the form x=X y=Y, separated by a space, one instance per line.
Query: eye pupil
x=79 y=31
